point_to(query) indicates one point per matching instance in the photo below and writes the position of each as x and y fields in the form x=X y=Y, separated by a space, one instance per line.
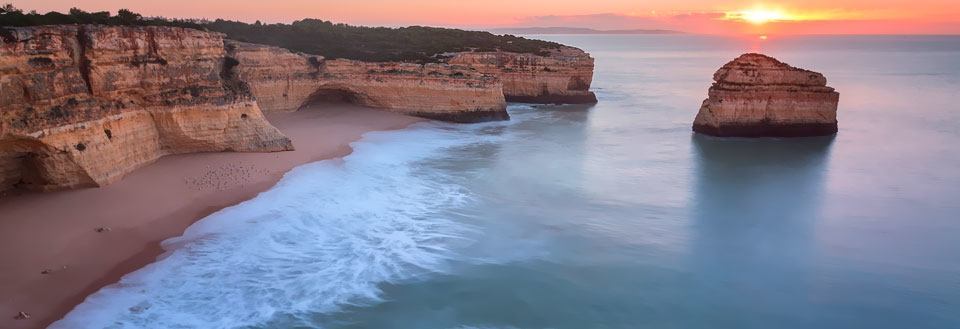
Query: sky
x=693 y=16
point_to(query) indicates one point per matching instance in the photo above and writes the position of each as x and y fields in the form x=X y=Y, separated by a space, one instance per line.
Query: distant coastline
x=576 y=30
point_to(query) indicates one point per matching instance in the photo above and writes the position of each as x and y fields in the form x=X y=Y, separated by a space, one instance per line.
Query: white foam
x=325 y=236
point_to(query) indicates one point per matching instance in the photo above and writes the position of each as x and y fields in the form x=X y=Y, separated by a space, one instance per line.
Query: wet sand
x=57 y=248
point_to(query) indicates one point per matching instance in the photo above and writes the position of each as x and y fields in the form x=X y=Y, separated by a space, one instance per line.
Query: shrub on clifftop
x=312 y=36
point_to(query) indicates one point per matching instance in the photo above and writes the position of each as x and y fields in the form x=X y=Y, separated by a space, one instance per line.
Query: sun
x=758 y=16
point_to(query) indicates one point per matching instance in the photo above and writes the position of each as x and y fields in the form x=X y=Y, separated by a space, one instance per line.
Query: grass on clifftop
x=312 y=36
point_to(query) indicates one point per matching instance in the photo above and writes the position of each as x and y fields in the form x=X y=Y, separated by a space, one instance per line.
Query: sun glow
x=759 y=16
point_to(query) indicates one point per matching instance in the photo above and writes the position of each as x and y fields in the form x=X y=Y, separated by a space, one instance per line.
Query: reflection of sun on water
x=756 y=45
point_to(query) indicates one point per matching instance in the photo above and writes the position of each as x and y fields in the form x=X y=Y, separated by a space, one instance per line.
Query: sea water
x=606 y=216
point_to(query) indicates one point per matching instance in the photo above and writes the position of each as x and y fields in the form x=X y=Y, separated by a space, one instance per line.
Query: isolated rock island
x=758 y=96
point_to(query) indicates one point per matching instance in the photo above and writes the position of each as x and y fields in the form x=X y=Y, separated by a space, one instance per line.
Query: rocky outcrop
x=756 y=95
x=563 y=76
x=283 y=80
x=85 y=105
x=469 y=87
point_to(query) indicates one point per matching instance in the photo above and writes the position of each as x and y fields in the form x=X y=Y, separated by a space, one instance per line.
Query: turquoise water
x=605 y=216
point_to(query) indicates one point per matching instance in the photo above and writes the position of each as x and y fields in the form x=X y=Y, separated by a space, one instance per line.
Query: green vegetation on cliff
x=312 y=36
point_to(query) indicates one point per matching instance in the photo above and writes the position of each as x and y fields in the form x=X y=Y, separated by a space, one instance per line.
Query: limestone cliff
x=283 y=80
x=562 y=76
x=84 y=105
x=755 y=95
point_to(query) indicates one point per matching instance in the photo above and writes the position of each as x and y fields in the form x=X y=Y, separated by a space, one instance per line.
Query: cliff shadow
x=755 y=204
x=18 y=164
x=28 y=164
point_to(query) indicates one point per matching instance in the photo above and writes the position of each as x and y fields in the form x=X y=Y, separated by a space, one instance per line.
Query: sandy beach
x=57 y=248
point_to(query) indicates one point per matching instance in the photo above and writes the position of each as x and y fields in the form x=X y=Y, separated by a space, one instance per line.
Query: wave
x=324 y=237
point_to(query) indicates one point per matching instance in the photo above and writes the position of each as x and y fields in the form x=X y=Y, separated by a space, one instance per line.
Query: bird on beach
x=226 y=177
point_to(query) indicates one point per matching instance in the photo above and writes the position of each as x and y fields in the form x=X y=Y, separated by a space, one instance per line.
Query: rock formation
x=283 y=80
x=84 y=105
x=563 y=76
x=756 y=95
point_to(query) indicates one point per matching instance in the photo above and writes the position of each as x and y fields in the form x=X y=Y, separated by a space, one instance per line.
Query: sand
x=57 y=248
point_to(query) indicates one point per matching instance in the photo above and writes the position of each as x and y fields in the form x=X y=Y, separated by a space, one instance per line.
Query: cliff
x=755 y=95
x=283 y=80
x=84 y=105
x=563 y=76
x=470 y=87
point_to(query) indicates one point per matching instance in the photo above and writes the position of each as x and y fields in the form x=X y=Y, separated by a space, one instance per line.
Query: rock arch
x=338 y=93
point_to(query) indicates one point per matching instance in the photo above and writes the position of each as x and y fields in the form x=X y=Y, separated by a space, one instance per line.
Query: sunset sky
x=695 y=16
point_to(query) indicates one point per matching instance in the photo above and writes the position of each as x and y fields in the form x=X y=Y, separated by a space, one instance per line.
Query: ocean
x=613 y=215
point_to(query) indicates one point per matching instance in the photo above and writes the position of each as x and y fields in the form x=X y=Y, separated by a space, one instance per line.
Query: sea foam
x=325 y=236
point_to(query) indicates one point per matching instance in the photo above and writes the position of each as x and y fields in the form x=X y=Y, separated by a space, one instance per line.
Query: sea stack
x=758 y=96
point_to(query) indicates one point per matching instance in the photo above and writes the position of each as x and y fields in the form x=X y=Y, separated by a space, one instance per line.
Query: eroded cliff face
x=283 y=80
x=563 y=77
x=755 y=95
x=84 y=105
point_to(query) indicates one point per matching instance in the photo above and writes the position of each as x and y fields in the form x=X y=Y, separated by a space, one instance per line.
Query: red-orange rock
x=756 y=95
x=563 y=76
x=283 y=80
x=85 y=105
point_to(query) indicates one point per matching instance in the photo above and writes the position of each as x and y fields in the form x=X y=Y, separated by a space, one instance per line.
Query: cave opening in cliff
x=20 y=164
x=334 y=96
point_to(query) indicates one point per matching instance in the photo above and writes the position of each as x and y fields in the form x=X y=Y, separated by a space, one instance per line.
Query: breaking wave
x=324 y=237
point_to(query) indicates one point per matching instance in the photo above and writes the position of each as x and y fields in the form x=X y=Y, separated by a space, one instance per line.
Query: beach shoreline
x=57 y=248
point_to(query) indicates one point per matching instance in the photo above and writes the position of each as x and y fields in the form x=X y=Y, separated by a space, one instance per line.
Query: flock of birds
x=226 y=176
